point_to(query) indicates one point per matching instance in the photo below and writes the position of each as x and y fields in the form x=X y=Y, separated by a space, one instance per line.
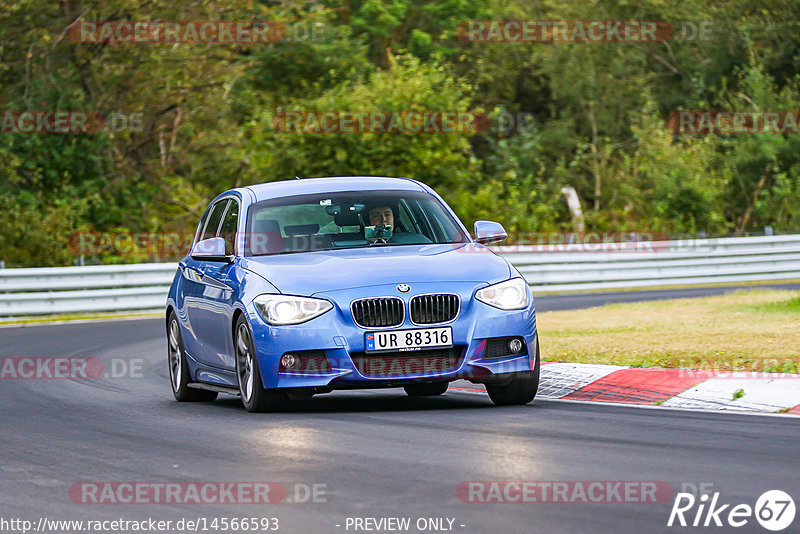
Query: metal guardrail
x=660 y=263
x=105 y=288
x=101 y=288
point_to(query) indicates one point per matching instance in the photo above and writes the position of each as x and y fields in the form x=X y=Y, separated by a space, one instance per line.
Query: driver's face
x=381 y=215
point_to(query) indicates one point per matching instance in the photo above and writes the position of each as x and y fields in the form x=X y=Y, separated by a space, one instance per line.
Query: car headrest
x=301 y=229
x=266 y=226
x=266 y=238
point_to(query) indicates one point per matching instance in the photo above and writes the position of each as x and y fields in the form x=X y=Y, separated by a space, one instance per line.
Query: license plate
x=408 y=340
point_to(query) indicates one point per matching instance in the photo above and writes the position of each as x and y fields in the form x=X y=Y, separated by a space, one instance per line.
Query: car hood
x=307 y=273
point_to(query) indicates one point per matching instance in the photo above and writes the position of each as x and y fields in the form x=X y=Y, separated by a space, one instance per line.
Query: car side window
x=421 y=217
x=202 y=224
x=229 y=225
x=445 y=226
x=212 y=224
x=404 y=223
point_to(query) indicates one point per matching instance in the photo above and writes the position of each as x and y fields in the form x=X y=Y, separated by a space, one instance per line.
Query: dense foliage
x=588 y=115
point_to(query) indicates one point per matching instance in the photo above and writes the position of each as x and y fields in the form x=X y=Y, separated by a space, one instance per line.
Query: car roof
x=332 y=184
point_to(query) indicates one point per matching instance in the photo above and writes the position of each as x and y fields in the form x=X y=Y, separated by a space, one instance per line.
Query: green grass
x=752 y=330
x=782 y=306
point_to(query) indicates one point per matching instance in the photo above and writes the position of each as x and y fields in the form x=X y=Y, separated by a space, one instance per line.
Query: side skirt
x=212 y=387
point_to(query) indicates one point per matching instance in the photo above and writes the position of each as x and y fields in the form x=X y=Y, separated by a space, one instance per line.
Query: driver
x=382 y=215
x=385 y=213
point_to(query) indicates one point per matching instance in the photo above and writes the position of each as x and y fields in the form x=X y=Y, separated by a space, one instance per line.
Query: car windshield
x=329 y=221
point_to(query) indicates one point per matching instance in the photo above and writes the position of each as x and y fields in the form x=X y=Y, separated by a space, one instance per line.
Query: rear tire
x=255 y=398
x=178 y=370
x=426 y=390
x=522 y=388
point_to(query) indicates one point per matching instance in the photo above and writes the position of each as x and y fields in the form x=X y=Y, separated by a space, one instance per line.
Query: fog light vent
x=288 y=361
x=304 y=361
x=503 y=347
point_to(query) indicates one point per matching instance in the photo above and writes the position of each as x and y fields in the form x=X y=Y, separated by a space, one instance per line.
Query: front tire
x=426 y=390
x=522 y=388
x=178 y=370
x=255 y=398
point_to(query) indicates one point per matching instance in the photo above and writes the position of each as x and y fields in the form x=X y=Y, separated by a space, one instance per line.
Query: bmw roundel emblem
x=404 y=288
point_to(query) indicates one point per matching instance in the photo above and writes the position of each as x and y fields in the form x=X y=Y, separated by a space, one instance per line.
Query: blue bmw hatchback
x=301 y=287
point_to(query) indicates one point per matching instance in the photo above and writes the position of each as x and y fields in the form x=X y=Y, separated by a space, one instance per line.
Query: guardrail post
x=2 y=264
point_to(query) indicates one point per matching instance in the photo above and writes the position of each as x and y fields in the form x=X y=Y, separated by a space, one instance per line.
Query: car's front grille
x=378 y=312
x=432 y=309
x=397 y=364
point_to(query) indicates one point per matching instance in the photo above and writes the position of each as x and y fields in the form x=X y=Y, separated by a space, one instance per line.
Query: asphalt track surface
x=378 y=453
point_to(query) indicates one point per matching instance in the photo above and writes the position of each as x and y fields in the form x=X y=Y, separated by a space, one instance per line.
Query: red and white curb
x=675 y=388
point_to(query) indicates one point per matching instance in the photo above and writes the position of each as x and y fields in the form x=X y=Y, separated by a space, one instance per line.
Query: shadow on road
x=370 y=402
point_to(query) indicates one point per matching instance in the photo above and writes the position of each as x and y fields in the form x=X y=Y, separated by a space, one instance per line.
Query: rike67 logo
x=774 y=510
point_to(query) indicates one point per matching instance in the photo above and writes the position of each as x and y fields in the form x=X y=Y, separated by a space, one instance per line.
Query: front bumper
x=342 y=341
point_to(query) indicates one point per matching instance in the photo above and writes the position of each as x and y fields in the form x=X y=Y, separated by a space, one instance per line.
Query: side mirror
x=211 y=249
x=487 y=232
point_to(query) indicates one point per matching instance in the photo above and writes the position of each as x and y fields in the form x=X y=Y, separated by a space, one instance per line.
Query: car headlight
x=285 y=309
x=509 y=295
